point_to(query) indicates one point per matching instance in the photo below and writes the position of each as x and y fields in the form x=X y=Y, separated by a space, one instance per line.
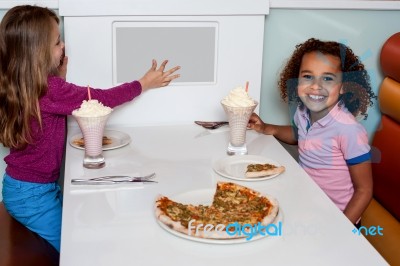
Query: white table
x=116 y=226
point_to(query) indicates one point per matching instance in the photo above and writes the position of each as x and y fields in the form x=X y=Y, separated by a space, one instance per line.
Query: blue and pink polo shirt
x=328 y=147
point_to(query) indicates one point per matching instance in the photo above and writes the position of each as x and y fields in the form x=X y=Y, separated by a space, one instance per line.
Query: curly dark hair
x=358 y=94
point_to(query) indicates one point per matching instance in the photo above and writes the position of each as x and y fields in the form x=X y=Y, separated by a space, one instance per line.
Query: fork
x=211 y=125
x=124 y=177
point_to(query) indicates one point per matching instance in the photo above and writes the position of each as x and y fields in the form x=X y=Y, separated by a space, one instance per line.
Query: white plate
x=234 y=167
x=205 y=197
x=118 y=139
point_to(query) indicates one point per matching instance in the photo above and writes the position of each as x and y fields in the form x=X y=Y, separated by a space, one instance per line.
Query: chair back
x=386 y=141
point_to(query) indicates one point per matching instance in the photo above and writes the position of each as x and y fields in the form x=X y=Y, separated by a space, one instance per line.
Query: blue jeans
x=37 y=206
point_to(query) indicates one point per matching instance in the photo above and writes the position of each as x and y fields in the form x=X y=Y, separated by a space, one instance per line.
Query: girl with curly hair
x=331 y=88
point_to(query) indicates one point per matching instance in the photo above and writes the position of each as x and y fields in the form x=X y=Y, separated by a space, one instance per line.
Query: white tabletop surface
x=115 y=225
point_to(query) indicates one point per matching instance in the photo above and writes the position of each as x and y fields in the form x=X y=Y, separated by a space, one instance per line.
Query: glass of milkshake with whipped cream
x=238 y=106
x=92 y=118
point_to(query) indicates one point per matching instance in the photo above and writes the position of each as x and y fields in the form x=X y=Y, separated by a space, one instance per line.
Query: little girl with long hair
x=35 y=101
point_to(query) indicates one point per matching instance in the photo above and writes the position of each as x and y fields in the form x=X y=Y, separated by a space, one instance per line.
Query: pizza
x=231 y=204
x=266 y=169
x=81 y=142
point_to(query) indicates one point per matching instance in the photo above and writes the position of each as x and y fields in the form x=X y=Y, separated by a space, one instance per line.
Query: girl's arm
x=283 y=133
x=361 y=176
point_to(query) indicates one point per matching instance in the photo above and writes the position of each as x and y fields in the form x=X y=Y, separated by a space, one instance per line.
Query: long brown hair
x=358 y=94
x=25 y=63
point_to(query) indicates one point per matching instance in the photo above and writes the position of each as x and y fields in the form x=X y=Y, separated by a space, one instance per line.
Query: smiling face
x=320 y=83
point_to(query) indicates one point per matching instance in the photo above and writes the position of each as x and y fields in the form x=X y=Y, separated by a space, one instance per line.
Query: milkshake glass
x=92 y=117
x=238 y=118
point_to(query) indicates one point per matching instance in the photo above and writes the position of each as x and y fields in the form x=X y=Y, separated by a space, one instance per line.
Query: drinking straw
x=88 y=91
x=247 y=86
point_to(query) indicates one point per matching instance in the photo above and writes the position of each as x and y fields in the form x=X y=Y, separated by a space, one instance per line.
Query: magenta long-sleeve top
x=40 y=161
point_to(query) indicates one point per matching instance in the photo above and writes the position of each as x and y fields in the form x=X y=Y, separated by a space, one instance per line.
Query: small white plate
x=118 y=139
x=205 y=196
x=234 y=167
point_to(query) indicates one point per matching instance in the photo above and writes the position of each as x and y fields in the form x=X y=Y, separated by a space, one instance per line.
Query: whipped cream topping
x=92 y=108
x=238 y=97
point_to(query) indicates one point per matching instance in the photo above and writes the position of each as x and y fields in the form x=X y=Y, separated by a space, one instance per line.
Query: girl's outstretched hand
x=155 y=78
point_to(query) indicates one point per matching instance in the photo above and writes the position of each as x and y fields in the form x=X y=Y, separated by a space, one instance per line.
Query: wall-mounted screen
x=191 y=45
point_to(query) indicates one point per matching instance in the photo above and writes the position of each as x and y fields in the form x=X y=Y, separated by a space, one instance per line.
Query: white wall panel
x=162 y=7
x=239 y=59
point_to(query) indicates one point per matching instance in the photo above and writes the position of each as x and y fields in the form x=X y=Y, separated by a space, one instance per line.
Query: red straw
x=247 y=86
x=88 y=91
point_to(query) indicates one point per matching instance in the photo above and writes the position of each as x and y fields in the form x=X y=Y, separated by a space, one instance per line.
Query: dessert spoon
x=211 y=125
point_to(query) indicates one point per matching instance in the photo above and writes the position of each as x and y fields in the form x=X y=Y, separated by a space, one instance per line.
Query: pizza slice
x=177 y=216
x=260 y=170
x=245 y=205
